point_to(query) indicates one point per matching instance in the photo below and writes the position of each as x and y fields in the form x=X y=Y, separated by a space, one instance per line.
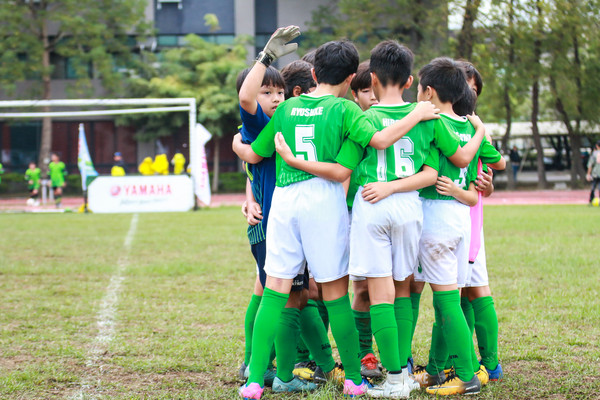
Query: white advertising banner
x=125 y=194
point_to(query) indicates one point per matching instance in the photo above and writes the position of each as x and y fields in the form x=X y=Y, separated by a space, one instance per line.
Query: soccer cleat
x=395 y=386
x=410 y=363
x=305 y=370
x=295 y=385
x=353 y=390
x=269 y=376
x=453 y=385
x=30 y=201
x=242 y=373
x=251 y=391
x=482 y=375
x=369 y=367
x=336 y=375
x=424 y=379
x=495 y=374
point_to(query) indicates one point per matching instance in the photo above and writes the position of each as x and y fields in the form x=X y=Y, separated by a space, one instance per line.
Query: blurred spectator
x=515 y=161
x=118 y=168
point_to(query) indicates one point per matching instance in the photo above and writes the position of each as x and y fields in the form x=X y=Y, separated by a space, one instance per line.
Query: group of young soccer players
x=379 y=193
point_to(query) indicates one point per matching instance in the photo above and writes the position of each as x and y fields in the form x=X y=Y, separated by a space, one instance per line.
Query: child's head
x=392 y=63
x=298 y=78
x=32 y=165
x=444 y=81
x=466 y=105
x=54 y=157
x=335 y=61
x=271 y=89
x=362 y=91
x=309 y=57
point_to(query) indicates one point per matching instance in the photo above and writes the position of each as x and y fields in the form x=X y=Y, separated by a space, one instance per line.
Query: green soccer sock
x=265 y=328
x=467 y=308
x=286 y=340
x=302 y=352
x=438 y=352
x=486 y=327
x=362 y=321
x=346 y=336
x=249 y=325
x=323 y=313
x=415 y=300
x=385 y=331
x=404 y=322
x=456 y=332
x=315 y=336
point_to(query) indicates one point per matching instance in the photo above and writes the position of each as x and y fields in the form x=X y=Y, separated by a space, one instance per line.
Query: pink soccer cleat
x=251 y=391
x=353 y=390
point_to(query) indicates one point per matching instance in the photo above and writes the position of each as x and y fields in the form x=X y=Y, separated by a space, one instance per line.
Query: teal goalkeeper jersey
x=464 y=131
x=408 y=155
x=315 y=129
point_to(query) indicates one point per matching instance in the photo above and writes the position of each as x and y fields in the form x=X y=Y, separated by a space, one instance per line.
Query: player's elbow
x=379 y=141
x=342 y=174
x=460 y=159
x=500 y=165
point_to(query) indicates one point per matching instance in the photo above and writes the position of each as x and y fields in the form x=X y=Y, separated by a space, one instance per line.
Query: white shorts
x=479 y=274
x=444 y=244
x=308 y=223
x=384 y=239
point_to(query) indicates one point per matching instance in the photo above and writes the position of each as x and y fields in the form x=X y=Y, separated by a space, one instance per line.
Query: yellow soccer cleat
x=305 y=370
x=454 y=385
x=482 y=375
x=425 y=379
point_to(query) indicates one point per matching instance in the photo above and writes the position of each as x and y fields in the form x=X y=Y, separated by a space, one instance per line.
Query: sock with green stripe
x=265 y=328
x=486 y=327
x=404 y=322
x=456 y=332
x=362 y=321
x=315 y=336
x=415 y=301
x=286 y=339
x=249 y=325
x=346 y=336
x=385 y=331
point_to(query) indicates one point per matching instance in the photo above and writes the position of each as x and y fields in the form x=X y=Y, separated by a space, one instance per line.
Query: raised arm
x=325 y=170
x=385 y=138
x=244 y=151
x=377 y=191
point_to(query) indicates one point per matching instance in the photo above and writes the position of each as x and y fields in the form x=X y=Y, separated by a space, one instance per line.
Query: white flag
x=200 y=167
x=84 y=161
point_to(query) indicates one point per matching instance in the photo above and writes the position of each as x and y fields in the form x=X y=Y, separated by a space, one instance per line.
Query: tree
x=91 y=36
x=199 y=69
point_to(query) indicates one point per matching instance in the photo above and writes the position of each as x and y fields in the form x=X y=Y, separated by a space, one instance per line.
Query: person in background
x=32 y=176
x=515 y=161
x=57 y=171
x=118 y=168
x=593 y=172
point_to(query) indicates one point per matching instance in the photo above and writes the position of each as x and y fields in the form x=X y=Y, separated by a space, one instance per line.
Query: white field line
x=106 y=320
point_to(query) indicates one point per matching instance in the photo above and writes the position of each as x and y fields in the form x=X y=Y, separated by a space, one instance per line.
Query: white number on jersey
x=403 y=149
x=461 y=182
x=305 y=148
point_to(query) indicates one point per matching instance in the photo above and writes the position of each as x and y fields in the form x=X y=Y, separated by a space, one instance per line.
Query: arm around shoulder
x=244 y=151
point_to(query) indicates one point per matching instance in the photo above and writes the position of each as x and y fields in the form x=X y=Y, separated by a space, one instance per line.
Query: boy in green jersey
x=309 y=221
x=57 y=172
x=444 y=243
x=32 y=176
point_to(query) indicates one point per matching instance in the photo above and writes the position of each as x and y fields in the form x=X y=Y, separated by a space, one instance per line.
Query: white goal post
x=161 y=106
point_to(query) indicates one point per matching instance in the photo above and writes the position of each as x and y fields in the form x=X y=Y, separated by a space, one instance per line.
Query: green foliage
x=231 y=182
x=199 y=69
x=91 y=34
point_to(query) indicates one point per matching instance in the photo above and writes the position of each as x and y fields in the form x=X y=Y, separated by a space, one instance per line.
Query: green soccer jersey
x=57 y=173
x=461 y=128
x=408 y=155
x=315 y=129
x=1 y=171
x=33 y=176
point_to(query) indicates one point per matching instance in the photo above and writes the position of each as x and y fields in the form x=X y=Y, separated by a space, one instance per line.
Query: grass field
x=152 y=307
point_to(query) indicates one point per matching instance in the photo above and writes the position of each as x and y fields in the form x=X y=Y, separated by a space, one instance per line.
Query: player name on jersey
x=306 y=112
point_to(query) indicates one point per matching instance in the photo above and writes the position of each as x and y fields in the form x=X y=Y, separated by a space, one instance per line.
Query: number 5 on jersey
x=305 y=148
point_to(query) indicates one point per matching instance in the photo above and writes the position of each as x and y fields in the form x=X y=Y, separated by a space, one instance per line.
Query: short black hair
x=447 y=78
x=309 y=57
x=297 y=73
x=362 y=79
x=472 y=73
x=272 y=77
x=466 y=104
x=391 y=62
x=335 y=61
